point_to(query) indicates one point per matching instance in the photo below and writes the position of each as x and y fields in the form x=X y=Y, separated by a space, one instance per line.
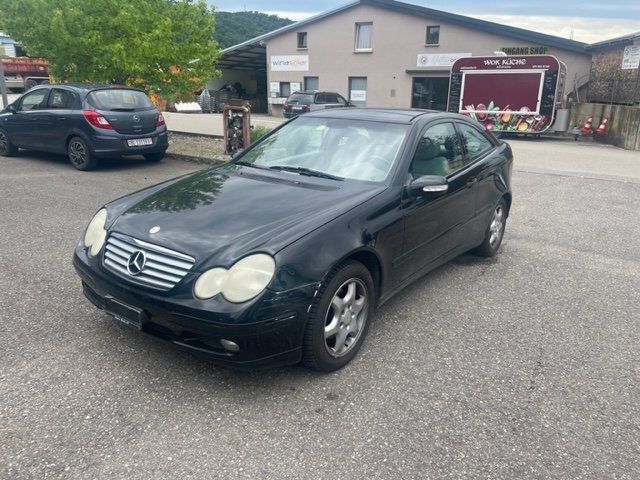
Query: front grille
x=163 y=268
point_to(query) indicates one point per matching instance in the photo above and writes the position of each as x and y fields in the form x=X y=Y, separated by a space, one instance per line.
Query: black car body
x=311 y=223
x=87 y=122
x=311 y=101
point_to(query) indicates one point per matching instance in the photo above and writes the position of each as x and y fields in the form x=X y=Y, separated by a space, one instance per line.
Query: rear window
x=119 y=99
x=301 y=99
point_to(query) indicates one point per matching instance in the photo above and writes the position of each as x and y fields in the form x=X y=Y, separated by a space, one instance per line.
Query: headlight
x=96 y=234
x=243 y=281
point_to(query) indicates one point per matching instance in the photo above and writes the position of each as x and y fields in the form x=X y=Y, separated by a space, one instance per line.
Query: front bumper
x=268 y=329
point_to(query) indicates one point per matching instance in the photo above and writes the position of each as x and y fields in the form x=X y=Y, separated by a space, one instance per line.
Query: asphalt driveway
x=525 y=366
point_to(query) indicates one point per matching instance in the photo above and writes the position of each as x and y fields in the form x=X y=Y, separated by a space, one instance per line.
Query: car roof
x=86 y=87
x=312 y=92
x=389 y=115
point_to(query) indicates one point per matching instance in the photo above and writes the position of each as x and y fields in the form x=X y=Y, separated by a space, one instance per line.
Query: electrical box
x=237 y=128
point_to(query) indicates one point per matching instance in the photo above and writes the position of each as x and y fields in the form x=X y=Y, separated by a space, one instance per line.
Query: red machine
x=24 y=73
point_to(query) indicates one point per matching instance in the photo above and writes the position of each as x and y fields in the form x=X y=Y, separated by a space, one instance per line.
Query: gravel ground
x=196 y=147
x=524 y=366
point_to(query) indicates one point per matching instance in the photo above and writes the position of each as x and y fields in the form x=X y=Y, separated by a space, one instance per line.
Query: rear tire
x=339 y=318
x=495 y=232
x=7 y=149
x=80 y=156
x=29 y=84
x=154 y=157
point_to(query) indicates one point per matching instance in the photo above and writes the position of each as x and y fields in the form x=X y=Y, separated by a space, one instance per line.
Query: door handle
x=472 y=181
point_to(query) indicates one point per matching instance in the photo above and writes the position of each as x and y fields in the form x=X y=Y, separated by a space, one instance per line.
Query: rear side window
x=476 y=143
x=301 y=99
x=61 y=99
x=119 y=99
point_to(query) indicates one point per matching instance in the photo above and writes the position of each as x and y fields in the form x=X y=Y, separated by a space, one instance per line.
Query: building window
x=311 y=84
x=364 y=37
x=302 y=40
x=358 y=91
x=285 y=89
x=433 y=35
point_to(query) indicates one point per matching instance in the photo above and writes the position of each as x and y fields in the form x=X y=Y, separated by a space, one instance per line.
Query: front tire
x=7 y=149
x=154 y=157
x=339 y=318
x=495 y=232
x=80 y=156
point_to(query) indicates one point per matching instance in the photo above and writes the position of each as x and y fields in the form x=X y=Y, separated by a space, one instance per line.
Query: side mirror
x=11 y=108
x=428 y=185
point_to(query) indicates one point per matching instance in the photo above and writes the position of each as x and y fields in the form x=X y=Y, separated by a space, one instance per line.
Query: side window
x=341 y=100
x=439 y=152
x=33 y=100
x=60 y=99
x=321 y=98
x=331 y=98
x=475 y=142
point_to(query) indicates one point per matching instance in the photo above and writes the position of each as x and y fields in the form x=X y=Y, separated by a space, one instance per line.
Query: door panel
x=434 y=226
x=487 y=161
x=58 y=118
x=26 y=125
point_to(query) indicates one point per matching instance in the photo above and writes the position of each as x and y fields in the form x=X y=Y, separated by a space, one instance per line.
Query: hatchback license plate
x=140 y=142
x=127 y=314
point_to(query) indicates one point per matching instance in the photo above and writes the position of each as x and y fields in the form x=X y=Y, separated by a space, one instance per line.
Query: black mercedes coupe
x=283 y=254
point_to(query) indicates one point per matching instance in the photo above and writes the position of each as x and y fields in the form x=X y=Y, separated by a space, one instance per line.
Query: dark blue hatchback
x=87 y=122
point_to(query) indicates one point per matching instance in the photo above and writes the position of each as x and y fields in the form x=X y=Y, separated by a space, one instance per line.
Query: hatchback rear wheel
x=80 y=156
x=154 y=157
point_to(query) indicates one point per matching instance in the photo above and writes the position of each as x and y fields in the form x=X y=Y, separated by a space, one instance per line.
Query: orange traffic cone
x=601 y=130
x=586 y=128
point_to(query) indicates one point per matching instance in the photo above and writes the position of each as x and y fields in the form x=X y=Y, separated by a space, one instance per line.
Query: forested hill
x=236 y=27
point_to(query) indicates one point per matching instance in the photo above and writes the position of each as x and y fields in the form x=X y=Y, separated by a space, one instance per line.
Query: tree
x=236 y=27
x=163 y=46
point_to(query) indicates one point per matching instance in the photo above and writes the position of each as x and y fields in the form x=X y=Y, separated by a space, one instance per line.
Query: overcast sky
x=590 y=20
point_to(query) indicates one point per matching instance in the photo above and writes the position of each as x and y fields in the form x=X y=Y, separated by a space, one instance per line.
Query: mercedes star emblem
x=136 y=118
x=136 y=262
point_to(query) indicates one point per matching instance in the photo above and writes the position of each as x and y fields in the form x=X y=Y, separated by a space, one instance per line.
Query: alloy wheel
x=496 y=228
x=4 y=144
x=77 y=153
x=346 y=317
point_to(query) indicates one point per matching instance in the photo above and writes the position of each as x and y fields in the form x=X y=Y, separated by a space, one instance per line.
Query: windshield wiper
x=249 y=164
x=305 y=171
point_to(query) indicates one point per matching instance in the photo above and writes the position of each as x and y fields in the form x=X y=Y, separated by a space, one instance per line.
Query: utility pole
x=3 y=86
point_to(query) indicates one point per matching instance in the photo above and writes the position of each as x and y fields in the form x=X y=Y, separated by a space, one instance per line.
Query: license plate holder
x=140 y=142
x=125 y=313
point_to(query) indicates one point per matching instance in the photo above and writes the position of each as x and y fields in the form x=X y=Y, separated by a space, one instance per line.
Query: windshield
x=119 y=99
x=351 y=149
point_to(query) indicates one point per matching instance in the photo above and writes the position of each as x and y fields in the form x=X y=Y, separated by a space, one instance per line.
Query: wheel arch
x=507 y=200
x=372 y=263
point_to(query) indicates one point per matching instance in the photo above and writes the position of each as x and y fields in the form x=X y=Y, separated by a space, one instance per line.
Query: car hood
x=219 y=215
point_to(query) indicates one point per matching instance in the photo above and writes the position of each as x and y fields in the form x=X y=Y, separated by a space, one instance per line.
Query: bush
x=258 y=132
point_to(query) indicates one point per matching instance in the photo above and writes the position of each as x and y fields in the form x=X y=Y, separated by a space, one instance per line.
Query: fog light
x=230 y=346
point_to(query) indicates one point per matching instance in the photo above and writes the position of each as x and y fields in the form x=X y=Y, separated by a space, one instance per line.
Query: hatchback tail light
x=96 y=119
x=307 y=108
x=160 y=121
x=286 y=106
